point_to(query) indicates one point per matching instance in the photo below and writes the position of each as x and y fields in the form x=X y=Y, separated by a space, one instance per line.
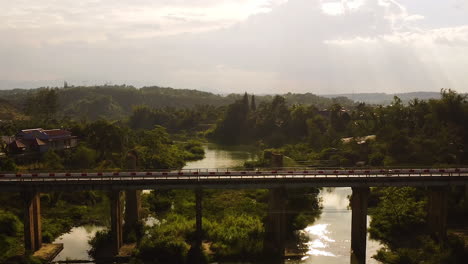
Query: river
x=329 y=237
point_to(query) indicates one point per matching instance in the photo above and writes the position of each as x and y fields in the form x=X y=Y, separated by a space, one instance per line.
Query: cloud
x=65 y=20
x=450 y=36
x=232 y=46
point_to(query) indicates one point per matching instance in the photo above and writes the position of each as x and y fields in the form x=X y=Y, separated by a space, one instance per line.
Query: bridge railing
x=208 y=174
x=373 y=168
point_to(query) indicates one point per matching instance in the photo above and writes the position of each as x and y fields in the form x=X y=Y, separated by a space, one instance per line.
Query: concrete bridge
x=277 y=180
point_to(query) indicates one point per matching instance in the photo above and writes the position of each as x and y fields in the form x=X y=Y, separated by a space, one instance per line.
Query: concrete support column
x=275 y=226
x=437 y=212
x=32 y=221
x=359 y=224
x=116 y=221
x=132 y=209
x=132 y=198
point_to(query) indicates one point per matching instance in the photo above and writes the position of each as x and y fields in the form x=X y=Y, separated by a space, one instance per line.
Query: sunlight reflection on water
x=329 y=237
x=76 y=242
x=317 y=246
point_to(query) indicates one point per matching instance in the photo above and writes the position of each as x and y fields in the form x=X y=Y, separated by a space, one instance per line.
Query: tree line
x=419 y=133
x=113 y=102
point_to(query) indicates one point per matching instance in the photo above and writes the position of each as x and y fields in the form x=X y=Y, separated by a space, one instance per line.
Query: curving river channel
x=329 y=237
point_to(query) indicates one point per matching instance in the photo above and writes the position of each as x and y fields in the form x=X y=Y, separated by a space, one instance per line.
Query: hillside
x=10 y=112
x=115 y=102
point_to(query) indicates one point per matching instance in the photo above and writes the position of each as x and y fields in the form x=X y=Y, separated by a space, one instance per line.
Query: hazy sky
x=261 y=46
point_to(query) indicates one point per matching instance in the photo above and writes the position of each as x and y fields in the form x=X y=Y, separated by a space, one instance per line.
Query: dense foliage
x=118 y=101
x=233 y=222
x=420 y=133
x=309 y=130
x=400 y=223
x=103 y=145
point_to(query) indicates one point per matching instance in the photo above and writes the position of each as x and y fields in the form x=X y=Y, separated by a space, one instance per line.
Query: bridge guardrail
x=199 y=174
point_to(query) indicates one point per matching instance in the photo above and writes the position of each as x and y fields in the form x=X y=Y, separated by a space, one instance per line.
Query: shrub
x=10 y=225
x=376 y=159
x=100 y=243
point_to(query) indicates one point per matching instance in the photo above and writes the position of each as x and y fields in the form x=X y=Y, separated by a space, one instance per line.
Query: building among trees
x=39 y=140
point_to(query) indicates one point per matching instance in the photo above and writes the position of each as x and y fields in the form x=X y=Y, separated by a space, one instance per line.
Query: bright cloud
x=261 y=46
x=96 y=20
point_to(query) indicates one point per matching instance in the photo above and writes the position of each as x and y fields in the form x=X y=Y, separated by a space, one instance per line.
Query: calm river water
x=330 y=235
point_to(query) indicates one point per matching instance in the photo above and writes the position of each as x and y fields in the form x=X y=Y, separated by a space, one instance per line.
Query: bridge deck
x=223 y=178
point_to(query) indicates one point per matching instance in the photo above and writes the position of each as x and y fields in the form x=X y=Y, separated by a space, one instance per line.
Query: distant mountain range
x=383 y=98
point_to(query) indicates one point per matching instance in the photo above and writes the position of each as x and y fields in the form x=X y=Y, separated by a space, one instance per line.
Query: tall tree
x=245 y=102
x=253 y=106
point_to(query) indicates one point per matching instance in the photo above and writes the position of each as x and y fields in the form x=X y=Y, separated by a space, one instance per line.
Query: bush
x=52 y=160
x=237 y=236
x=166 y=242
x=83 y=158
x=399 y=216
x=164 y=250
x=10 y=225
x=376 y=159
x=7 y=165
x=100 y=244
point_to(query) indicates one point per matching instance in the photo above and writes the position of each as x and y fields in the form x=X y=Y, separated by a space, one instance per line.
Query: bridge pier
x=437 y=212
x=359 y=224
x=132 y=198
x=116 y=221
x=132 y=210
x=32 y=221
x=275 y=226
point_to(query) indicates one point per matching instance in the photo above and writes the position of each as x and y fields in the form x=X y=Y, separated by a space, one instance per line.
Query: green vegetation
x=10 y=112
x=431 y=133
x=10 y=231
x=420 y=133
x=193 y=150
x=59 y=212
x=400 y=222
x=119 y=101
x=164 y=127
x=103 y=146
x=233 y=222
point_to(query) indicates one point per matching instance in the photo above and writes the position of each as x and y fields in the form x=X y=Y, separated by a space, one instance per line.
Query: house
x=41 y=140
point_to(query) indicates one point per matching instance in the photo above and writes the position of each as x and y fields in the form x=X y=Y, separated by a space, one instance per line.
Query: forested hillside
x=115 y=102
x=9 y=112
